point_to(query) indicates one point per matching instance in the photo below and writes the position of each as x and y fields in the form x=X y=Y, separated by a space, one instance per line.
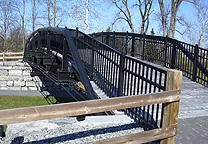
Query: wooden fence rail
x=170 y=100
x=95 y=106
x=11 y=56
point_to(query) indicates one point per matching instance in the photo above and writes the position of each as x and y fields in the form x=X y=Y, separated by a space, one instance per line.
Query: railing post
x=107 y=39
x=113 y=45
x=121 y=75
x=143 y=46
x=64 y=60
x=3 y=56
x=173 y=58
x=76 y=41
x=171 y=110
x=48 y=44
x=166 y=48
x=126 y=47
x=196 y=53
x=92 y=58
x=133 y=45
x=102 y=36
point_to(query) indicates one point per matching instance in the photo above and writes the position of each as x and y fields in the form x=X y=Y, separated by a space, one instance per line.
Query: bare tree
x=200 y=27
x=48 y=4
x=20 y=8
x=82 y=10
x=175 y=4
x=124 y=13
x=145 y=11
x=6 y=19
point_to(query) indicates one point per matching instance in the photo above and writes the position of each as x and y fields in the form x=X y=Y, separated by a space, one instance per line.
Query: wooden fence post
x=3 y=56
x=171 y=110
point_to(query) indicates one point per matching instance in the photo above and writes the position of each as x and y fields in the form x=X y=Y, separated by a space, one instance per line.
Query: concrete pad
x=105 y=120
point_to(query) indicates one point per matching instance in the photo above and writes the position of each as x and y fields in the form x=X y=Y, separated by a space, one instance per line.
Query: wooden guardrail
x=170 y=100
x=11 y=56
x=96 y=106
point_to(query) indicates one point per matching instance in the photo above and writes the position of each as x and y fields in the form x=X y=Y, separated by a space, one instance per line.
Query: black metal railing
x=191 y=60
x=118 y=74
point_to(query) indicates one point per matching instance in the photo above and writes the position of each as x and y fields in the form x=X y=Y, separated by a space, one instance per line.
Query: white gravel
x=67 y=131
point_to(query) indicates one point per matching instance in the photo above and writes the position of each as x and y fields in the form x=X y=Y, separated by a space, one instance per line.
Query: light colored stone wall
x=18 y=75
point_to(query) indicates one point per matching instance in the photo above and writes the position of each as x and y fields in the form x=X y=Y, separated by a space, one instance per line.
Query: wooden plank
x=143 y=137
x=15 y=53
x=171 y=110
x=86 y=107
x=13 y=57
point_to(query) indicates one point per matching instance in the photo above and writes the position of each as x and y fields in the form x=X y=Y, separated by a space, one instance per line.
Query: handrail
x=165 y=51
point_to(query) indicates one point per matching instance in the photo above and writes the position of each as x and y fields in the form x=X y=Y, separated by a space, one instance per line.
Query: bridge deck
x=194 y=99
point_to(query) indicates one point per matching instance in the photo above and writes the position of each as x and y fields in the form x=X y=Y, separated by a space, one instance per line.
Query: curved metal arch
x=44 y=43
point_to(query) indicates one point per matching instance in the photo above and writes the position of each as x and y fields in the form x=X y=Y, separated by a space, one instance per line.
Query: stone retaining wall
x=18 y=75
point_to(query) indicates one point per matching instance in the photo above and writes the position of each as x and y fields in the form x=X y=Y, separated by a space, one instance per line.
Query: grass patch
x=10 y=102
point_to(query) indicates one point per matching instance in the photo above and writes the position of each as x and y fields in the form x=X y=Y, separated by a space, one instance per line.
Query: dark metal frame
x=116 y=73
x=42 y=56
x=191 y=60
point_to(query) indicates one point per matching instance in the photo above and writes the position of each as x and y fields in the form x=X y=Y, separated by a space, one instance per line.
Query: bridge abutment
x=18 y=75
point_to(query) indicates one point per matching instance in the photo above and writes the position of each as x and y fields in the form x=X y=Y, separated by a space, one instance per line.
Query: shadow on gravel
x=82 y=134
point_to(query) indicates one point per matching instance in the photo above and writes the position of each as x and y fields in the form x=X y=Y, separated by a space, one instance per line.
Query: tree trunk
x=5 y=31
x=163 y=16
x=33 y=14
x=203 y=30
x=174 y=9
x=86 y=17
x=48 y=8
x=23 y=25
x=54 y=13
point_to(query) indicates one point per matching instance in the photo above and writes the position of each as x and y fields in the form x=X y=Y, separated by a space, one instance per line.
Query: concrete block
x=24 y=88
x=31 y=84
x=15 y=88
x=21 y=63
x=10 y=83
x=5 y=67
x=19 y=68
x=19 y=83
x=15 y=78
x=1 y=63
x=4 y=72
x=4 y=88
x=27 y=78
x=26 y=73
x=32 y=88
x=3 y=83
x=10 y=63
x=21 y=79
x=15 y=72
x=5 y=78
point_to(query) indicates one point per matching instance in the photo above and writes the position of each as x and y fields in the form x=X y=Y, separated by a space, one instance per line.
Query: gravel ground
x=70 y=131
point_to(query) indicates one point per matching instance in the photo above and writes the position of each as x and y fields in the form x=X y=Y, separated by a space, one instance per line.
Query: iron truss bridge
x=111 y=60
